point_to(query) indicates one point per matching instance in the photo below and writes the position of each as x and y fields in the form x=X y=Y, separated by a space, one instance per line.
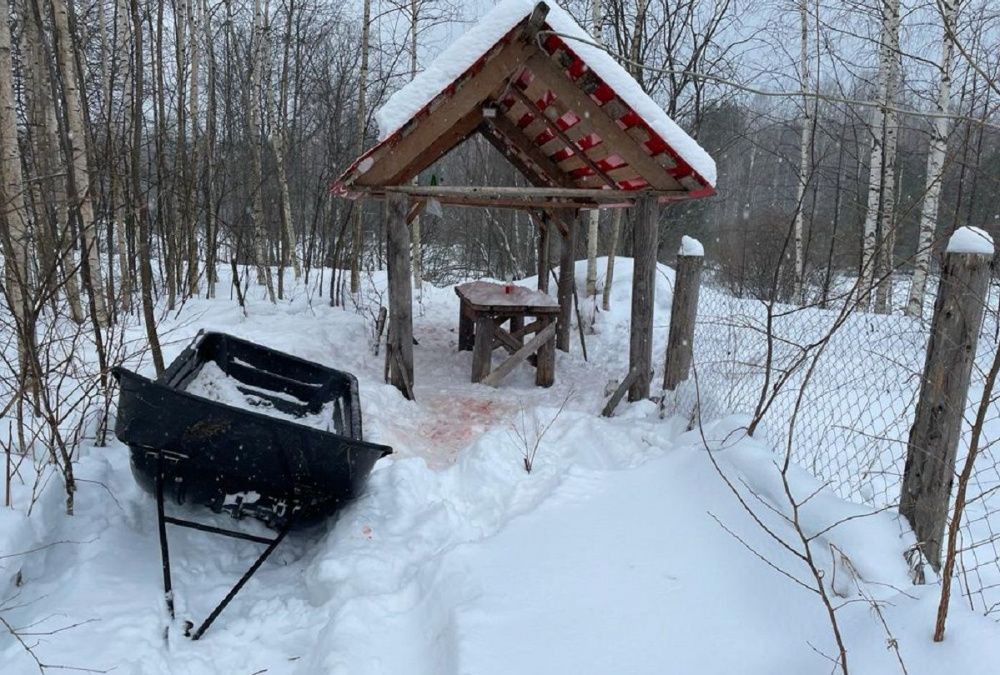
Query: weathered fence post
x=683 y=313
x=400 y=342
x=644 y=245
x=937 y=426
x=544 y=249
x=567 y=280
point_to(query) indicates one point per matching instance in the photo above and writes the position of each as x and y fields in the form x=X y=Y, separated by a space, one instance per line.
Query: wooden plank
x=545 y=362
x=482 y=350
x=466 y=328
x=447 y=191
x=533 y=327
x=683 y=313
x=531 y=173
x=544 y=248
x=505 y=368
x=502 y=338
x=644 y=245
x=529 y=150
x=400 y=295
x=938 y=421
x=439 y=147
x=561 y=135
x=567 y=280
x=604 y=126
x=467 y=99
x=616 y=397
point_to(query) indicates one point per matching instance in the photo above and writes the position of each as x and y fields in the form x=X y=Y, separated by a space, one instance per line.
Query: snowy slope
x=612 y=556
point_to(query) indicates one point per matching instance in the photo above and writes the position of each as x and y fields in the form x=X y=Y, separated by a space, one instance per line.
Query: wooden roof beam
x=439 y=147
x=523 y=146
x=561 y=135
x=552 y=75
x=413 y=146
x=555 y=193
x=516 y=160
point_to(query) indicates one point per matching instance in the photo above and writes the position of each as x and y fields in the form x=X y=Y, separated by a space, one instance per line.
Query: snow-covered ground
x=623 y=551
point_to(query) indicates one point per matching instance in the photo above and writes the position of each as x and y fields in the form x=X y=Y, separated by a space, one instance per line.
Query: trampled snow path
x=607 y=558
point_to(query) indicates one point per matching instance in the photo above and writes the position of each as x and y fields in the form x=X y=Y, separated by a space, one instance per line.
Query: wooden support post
x=933 y=442
x=466 y=329
x=683 y=313
x=400 y=294
x=544 y=247
x=567 y=279
x=644 y=245
x=482 y=352
x=545 y=364
x=516 y=325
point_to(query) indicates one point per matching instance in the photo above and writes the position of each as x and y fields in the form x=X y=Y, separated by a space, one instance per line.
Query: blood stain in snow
x=456 y=421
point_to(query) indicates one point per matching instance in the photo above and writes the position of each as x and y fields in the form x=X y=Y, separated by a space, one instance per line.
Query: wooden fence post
x=567 y=279
x=937 y=426
x=644 y=245
x=400 y=345
x=683 y=313
x=544 y=247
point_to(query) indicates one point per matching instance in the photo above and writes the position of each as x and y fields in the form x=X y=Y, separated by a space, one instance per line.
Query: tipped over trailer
x=290 y=452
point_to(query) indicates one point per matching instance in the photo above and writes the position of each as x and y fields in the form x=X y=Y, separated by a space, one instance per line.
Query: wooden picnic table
x=484 y=308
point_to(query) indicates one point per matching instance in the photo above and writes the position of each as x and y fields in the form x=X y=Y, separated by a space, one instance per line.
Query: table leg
x=545 y=367
x=517 y=323
x=466 y=329
x=482 y=351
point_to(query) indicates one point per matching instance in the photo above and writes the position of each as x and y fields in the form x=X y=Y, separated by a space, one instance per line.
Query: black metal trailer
x=195 y=450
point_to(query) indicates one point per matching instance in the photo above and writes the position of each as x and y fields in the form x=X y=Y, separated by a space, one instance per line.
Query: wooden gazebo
x=569 y=118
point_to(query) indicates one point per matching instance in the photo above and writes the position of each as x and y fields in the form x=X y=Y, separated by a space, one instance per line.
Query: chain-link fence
x=837 y=389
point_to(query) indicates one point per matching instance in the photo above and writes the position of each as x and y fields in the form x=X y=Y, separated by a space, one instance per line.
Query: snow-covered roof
x=466 y=50
x=561 y=109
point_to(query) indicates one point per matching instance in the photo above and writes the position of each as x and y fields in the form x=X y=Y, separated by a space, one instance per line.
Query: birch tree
x=78 y=175
x=256 y=180
x=935 y=163
x=881 y=180
x=593 y=222
x=415 y=244
x=279 y=116
x=635 y=70
x=13 y=216
x=359 y=145
x=805 y=147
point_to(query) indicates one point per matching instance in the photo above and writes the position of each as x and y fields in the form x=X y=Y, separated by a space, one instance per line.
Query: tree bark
x=359 y=146
x=935 y=166
x=881 y=181
x=78 y=179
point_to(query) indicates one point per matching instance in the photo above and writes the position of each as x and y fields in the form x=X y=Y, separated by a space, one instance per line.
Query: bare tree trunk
x=78 y=181
x=256 y=181
x=140 y=206
x=935 y=165
x=594 y=217
x=880 y=170
x=359 y=145
x=13 y=216
x=211 y=224
x=805 y=149
x=415 y=246
x=190 y=189
x=616 y=222
x=278 y=138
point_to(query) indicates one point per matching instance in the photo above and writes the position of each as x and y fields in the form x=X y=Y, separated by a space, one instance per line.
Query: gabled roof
x=563 y=111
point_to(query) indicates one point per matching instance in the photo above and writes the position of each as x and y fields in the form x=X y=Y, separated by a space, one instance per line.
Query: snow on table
x=489 y=294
